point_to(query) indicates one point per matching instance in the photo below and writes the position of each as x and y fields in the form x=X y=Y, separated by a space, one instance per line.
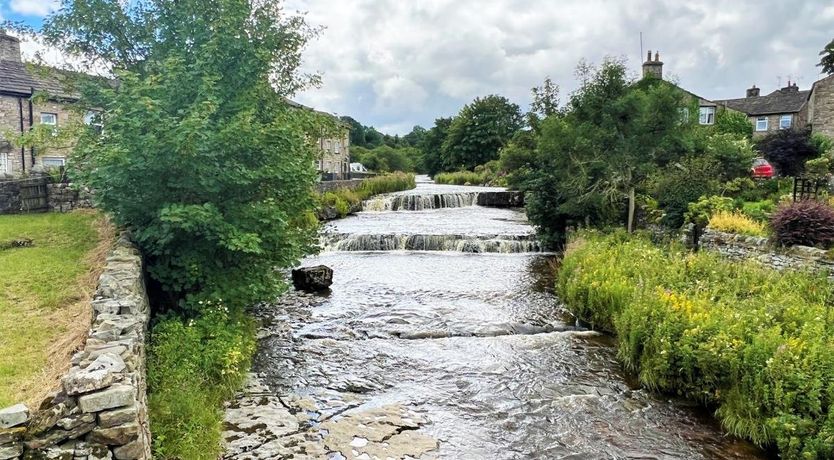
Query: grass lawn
x=44 y=295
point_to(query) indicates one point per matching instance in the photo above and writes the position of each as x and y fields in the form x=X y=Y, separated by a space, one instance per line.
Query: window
x=785 y=121
x=707 y=115
x=761 y=124
x=53 y=162
x=93 y=119
x=49 y=118
x=4 y=163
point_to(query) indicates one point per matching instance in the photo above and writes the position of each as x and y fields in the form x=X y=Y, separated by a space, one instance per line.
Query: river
x=441 y=337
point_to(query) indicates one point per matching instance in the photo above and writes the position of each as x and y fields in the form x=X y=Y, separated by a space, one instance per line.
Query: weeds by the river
x=750 y=341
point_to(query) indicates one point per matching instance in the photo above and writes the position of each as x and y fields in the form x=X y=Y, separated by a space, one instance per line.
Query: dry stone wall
x=40 y=194
x=100 y=410
x=740 y=247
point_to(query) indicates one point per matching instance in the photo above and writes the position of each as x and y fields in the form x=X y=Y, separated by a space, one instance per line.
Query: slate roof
x=784 y=100
x=21 y=78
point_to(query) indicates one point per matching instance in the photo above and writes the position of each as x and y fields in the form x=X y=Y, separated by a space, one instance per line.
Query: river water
x=459 y=350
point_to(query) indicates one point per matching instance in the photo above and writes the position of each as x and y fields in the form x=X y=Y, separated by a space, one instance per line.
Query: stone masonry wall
x=740 y=247
x=822 y=107
x=329 y=186
x=60 y=197
x=100 y=410
x=67 y=197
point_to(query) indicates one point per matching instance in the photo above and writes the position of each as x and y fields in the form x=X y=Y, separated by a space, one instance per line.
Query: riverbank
x=751 y=342
x=49 y=265
x=339 y=203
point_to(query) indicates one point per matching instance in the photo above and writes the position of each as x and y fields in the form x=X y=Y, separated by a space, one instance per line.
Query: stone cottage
x=20 y=110
x=334 y=163
x=784 y=108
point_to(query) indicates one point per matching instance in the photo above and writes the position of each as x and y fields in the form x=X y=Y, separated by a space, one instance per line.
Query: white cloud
x=395 y=64
x=34 y=7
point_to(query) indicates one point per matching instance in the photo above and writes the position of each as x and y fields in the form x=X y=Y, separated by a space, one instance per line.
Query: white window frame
x=61 y=160
x=782 y=119
x=54 y=117
x=762 y=124
x=706 y=115
x=5 y=163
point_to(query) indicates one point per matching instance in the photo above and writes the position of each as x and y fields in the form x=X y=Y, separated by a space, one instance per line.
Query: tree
x=827 y=60
x=733 y=123
x=479 y=131
x=201 y=159
x=788 y=150
x=415 y=137
x=545 y=102
x=432 y=146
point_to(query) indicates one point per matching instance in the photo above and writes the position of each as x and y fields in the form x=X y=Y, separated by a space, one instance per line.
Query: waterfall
x=459 y=243
x=410 y=202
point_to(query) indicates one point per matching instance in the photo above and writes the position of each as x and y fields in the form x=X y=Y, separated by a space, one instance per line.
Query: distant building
x=358 y=167
x=19 y=112
x=334 y=163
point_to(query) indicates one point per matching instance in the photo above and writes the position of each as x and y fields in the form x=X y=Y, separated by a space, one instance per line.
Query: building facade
x=20 y=111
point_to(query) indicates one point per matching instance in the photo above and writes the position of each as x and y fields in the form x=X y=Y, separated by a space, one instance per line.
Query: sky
x=394 y=64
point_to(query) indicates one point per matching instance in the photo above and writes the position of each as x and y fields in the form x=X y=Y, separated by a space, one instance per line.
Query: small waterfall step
x=422 y=202
x=507 y=244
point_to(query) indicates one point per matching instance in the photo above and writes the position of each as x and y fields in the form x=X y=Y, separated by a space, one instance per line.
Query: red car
x=762 y=169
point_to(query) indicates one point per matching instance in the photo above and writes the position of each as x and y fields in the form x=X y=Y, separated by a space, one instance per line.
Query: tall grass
x=736 y=222
x=193 y=367
x=460 y=178
x=754 y=343
x=344 y=200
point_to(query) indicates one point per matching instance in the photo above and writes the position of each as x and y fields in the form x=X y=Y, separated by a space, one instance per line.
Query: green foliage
x=432 y=146
x=202 y=158
x=759 y=210
x=818 y=168
x=479 y=131
x=343 y=200
x=679 y=184
x=386 y=159
x=732 y=154
x=827 y=58
x=750 y=341
x=734 y=123
x=822 y=143
x=736 y=222
x=700 y=212
x=193 y=366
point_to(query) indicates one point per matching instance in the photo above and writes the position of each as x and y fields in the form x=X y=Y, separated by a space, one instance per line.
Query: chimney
x=653 y=68
x=753 y=92
x=9 y=47
x=791 y=88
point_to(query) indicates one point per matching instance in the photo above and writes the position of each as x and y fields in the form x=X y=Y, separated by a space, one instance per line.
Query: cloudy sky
x=394 y=64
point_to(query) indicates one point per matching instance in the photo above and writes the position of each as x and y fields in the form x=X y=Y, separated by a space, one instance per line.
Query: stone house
x=20 y=110
x=334 y=163
x=784 y=108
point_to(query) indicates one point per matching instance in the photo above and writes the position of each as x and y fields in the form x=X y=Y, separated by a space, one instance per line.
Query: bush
x=193 y=366
x=753 y=342
x=806 y=223
x=700 y=212
x=677 y=185
x=734 y=222
x=788 y=150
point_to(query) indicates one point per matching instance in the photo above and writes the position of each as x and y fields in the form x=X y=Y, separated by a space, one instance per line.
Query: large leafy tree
x=596 y=156
x=827 y=59
x=432 y=146
x=200 y=157
x=479 y=132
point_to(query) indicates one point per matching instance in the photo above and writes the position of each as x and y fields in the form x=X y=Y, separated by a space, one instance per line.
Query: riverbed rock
x=507 y=199
x=14 y=416
x=312 y=279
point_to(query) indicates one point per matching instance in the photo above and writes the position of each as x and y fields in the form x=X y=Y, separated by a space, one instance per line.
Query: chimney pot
x=657 y=56
x=9 y=47
x=649 y=56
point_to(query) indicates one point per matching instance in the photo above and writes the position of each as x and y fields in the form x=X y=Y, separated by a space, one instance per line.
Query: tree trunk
x=631 y=204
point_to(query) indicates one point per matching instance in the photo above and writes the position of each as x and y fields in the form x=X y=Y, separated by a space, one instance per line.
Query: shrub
x=193 y=366
x=753 y=342
x=735 y=222
x=699 y=212
x=788 y=150
x=759 y=210
x=807 y=223
x=677 y=185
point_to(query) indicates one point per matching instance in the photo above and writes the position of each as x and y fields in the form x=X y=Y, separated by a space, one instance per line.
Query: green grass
x=751 y=342
x=193 y=367
x=43 y=294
